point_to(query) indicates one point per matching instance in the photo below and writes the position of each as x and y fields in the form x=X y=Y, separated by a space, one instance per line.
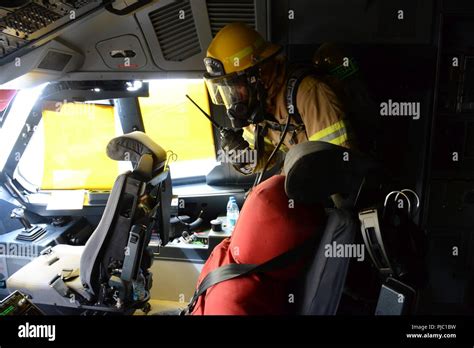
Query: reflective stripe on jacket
x=321 y=112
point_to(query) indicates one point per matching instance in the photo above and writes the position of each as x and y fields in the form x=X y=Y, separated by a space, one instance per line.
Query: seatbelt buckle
x=190 y=307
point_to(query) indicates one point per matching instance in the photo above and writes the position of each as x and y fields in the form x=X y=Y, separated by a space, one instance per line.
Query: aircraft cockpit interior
x=174 y=159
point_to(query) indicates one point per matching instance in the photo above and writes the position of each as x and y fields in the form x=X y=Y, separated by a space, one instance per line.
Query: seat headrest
x=133 y=146
x=316 y=170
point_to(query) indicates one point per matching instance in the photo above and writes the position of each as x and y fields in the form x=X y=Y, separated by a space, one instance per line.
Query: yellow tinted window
x=75 y=140
x=173 y=122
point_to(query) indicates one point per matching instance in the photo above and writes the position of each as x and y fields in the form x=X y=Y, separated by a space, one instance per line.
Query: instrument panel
x=33 y=19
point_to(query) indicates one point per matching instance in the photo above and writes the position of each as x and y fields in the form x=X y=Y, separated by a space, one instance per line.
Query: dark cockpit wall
x=410 y=59
x=397 y=61
x=450 y=211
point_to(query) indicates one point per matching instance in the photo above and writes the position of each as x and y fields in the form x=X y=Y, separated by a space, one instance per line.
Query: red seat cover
x=269 y=225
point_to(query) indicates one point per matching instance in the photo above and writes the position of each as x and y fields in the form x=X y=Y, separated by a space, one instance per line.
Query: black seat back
x=314 y=171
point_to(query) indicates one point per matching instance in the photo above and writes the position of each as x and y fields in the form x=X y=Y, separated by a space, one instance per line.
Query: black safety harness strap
x=296 y=75
x=259 y=142
x=235 y=270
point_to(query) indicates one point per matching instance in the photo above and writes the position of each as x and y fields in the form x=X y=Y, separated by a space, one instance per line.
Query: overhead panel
x=23 y=25
x=28 y=19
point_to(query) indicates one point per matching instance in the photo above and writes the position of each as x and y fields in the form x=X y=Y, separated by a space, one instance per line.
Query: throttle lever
x=19 y=213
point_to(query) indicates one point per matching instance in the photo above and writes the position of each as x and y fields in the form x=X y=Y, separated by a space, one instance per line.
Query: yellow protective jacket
x=321 y=112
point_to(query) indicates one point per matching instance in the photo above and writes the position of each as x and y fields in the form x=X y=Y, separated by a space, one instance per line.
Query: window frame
x=21 y=142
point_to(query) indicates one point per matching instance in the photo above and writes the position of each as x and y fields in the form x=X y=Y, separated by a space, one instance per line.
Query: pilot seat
x=314 y=172
x=110 y=273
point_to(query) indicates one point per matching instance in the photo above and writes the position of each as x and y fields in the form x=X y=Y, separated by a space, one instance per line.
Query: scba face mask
x=239 y=98
x=237 y=91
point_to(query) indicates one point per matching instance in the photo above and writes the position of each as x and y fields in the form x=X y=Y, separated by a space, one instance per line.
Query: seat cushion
x=33 y=279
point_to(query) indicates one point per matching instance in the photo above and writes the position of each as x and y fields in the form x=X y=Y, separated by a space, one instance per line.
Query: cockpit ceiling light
x=135 y=86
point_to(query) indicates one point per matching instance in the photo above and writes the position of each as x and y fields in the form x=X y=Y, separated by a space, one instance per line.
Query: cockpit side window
x=67 y=150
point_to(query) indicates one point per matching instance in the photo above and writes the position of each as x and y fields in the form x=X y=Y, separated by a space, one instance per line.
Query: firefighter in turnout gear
x=270 y=104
